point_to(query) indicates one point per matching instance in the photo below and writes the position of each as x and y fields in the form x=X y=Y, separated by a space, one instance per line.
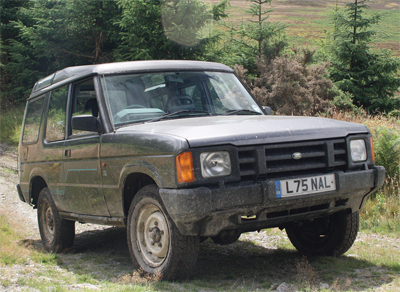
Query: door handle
x=67 y=153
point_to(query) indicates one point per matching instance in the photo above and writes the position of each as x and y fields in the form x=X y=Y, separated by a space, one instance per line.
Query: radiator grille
x=270 y=161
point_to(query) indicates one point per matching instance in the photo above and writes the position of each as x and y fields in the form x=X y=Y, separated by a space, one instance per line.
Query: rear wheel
x=332 y=235
x=155 y=244
x=57 y=234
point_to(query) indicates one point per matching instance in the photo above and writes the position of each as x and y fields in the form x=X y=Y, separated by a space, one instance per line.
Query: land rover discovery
x=180 y=151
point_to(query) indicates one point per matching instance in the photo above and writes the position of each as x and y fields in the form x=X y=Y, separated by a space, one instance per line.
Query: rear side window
x=32 y=121
x=55 y=128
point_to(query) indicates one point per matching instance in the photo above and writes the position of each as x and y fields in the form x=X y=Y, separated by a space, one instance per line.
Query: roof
x=128 y=67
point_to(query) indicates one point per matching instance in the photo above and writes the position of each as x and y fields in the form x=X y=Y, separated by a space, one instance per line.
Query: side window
x=84 y=102
x=55 y=127
x=32 y=121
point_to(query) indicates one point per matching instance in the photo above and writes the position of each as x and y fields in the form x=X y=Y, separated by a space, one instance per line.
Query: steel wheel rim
x=152 y=234
x=48 y=222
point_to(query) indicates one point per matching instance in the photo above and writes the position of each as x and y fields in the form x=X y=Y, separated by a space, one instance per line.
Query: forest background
x=338 y=59
x=298 y=57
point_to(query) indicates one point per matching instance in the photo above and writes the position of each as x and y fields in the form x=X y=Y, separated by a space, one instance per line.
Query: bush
x=387 y=151
x=342 y=101
x=291 y=86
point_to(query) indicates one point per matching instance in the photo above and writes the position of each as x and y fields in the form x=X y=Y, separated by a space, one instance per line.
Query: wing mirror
x=267 y=110
x=86 y=123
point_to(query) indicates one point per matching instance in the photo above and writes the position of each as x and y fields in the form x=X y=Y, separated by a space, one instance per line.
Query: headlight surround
x=215 y=164
x=358 y=150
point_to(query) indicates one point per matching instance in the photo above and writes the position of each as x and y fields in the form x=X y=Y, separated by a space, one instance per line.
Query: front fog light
x=215 y=164
x=358 y=150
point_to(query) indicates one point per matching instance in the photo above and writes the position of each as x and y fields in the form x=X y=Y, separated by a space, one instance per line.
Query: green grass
x=46 y=272
x=385 y=256
x=14 y=250
x=380 y=214
x=10 y=253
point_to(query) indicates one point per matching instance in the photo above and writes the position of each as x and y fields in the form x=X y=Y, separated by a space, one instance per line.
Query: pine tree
x=258 y=38
x=50 y=35
x=12 y=76
x=370 y=77
x=167 y=29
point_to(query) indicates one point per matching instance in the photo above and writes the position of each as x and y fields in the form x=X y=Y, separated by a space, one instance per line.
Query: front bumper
x=205 y=212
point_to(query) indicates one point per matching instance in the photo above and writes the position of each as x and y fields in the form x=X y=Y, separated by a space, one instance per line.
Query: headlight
x=358 y=150
x=215 y=164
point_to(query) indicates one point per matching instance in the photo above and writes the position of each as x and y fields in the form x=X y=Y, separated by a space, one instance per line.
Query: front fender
x=116 y=172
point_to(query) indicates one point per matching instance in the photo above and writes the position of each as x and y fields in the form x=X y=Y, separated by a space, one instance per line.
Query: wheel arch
x=133 y=183
x=37 y=184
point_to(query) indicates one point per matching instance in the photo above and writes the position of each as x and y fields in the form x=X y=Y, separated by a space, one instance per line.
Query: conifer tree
x=49 y=35
x=370 y=77
x=167 y=29
x=259 y=38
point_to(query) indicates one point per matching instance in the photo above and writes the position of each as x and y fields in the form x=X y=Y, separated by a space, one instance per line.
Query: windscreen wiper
x=242 y=111
x=170 y=115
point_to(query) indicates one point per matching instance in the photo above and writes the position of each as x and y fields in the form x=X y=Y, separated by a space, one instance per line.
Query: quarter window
x=55 y=127
x=32 y=121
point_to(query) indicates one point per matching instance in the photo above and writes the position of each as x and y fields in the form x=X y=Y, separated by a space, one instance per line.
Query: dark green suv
x=179 y=151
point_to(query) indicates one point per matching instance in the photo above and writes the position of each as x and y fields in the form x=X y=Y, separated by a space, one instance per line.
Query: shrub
x=342 y=101
x=290 y=87
x=387 y=151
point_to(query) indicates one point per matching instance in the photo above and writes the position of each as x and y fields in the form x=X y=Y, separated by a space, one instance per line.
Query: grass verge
x=26 y=265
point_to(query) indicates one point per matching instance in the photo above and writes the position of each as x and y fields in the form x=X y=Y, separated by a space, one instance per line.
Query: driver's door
x=82 y=170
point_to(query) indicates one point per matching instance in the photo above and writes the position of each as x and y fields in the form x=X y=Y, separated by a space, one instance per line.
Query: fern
x=387 y=151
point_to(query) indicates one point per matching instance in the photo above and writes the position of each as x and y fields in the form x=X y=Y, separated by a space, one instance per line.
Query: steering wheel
x=180 y=102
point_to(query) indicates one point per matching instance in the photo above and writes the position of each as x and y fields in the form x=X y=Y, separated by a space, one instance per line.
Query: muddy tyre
x=57 y=234
x=332 y=235
x=155 y=244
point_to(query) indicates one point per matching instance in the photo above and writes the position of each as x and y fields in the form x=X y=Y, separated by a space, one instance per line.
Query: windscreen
x=156 y=96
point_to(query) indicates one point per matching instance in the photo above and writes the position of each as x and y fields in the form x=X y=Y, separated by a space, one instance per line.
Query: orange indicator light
x=184 y=167
x=372 y=149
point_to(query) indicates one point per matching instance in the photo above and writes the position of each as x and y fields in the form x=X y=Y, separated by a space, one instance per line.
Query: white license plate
x=305 y=185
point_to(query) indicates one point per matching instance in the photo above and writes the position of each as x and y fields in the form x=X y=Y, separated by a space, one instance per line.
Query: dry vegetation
x=371 y=121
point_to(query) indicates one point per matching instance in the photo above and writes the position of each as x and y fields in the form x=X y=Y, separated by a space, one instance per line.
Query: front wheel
x=57 y=234
x=332 y=235
x=155 y=244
